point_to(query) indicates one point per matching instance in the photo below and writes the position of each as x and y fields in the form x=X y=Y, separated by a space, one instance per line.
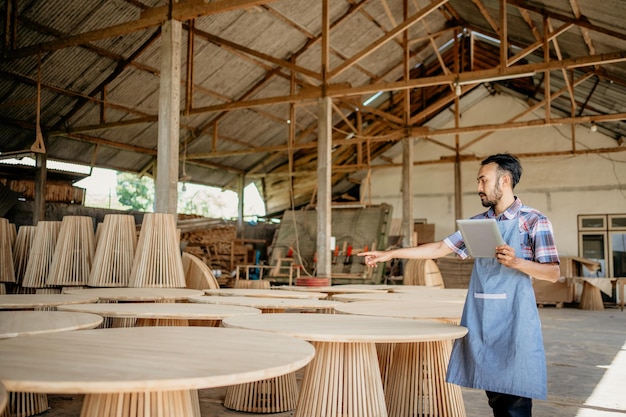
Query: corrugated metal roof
x=249 y=53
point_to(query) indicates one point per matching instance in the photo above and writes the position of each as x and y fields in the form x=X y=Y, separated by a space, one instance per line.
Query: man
x=503 y=351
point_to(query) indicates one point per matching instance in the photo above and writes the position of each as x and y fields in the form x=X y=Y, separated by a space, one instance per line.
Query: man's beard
x=497 y=193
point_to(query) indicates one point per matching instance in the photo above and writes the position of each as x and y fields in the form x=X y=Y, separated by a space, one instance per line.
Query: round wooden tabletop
x=268 y=303
x=422 y=289
x=252 y=292
x=349 y=328
x=136 y=294
x=146 y=359
x=22 y=323
x=339 y=289
x=428 y=310
x=415 y=295
x=162 y=310
x=26 y=301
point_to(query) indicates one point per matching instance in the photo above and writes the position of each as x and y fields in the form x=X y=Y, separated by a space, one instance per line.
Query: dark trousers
x=505 y=405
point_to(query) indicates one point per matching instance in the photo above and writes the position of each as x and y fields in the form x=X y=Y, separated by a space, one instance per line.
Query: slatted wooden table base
x=417 y=382
x=351 y=369
x=142 y=404
x=272 y=395
x=23 y=404
x=385 y=359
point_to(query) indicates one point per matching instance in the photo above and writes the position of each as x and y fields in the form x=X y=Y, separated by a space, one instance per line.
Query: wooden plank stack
x=215 y=244
x=157 y=261
x=73 y=253
x=115 y=251
x=59 y=192
x=41 y=253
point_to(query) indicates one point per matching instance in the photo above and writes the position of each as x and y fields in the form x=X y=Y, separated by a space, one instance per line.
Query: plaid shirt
x=536 y=236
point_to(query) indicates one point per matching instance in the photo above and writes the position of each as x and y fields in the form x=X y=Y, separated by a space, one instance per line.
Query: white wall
x=561 y=187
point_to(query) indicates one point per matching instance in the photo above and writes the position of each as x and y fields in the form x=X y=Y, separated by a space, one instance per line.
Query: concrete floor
x=586 y=376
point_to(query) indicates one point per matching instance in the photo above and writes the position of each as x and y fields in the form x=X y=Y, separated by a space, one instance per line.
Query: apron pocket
x=495 y=318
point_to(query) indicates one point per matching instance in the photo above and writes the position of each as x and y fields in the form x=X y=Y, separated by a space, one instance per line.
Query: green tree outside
x=135 y=192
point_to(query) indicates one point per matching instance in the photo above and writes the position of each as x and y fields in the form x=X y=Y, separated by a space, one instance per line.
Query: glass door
x=593 y=245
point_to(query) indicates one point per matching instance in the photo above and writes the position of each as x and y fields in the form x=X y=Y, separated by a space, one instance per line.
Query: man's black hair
x=506 y=163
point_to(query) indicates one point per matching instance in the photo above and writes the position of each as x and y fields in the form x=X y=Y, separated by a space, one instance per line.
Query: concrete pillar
x=324 y=171
x=166 y=194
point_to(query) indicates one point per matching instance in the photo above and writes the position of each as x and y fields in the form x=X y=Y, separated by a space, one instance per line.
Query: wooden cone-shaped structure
x=7 y=272
x=41 y=253
x=13 y=229
x=115 y=251
x=73 y=253
x=158 y=261
x=21 y=251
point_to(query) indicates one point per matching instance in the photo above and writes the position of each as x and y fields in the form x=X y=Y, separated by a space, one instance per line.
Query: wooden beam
x=434 y=5
x=192 y=9
x=582 y=22
x=341 y=90
x=280 y=62
x=149 y=18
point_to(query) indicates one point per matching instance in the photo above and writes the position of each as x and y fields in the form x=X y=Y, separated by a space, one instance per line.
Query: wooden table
x=147 y=370
x=161 y=314
x=447 y=312
x=425 y=296
x=32 y=301
x=270 y=305
x=23 y=323
x=399 y=383
x=591 y=295
x=421 y=289
x=331 y=290
x=344 y=378
x=252 y=292
x=273 y=395
x=26 y=323
x=131 y=294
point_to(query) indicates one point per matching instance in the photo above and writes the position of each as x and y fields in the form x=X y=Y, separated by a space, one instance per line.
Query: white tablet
x=481 y=237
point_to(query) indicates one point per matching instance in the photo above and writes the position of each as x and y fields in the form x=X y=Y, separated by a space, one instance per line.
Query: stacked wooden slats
x=115 y=251
x=73 y=253
x=7 y=271
x=41 y=253
x=55 y=191
x=21 y=251
x=158 y=261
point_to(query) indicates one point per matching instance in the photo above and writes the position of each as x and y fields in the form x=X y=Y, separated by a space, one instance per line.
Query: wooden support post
x=324 y=161
x=324 y=214
x=240 y=206
x=166 y=195
x=40 y=188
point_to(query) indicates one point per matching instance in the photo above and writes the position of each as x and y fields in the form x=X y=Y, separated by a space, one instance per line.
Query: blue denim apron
x=503 y=349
